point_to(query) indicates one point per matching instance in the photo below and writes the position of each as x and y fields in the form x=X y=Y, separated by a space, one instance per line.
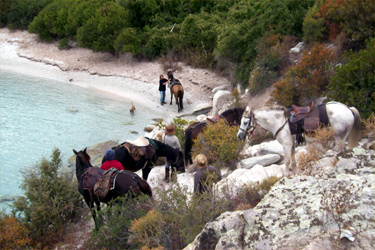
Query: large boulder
x=221 y=97
x=263 y=160
x=304 y=212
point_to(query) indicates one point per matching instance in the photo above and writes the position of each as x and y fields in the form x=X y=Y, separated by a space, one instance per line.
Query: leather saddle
x=309 y=114
x=214 y=119
x=139 y=148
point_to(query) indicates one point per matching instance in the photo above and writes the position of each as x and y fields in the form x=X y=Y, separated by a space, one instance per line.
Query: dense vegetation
x=249 y=38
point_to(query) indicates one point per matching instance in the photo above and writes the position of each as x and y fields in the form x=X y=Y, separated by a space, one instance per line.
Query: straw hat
x=170 y=130
x=201 y=160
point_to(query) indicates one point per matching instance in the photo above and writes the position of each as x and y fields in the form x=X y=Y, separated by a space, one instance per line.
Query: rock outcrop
x=305 y=212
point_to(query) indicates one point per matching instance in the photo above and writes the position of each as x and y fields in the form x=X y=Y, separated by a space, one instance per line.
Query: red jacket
x=112 y=164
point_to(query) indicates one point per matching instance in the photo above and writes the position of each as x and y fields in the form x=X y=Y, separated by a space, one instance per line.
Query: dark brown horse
x=161 y=150
x=127 y=183
x=177 y=91
x=231 y=116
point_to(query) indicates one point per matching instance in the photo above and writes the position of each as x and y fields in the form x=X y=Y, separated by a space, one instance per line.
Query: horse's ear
x=85 y=150
x=75 y=152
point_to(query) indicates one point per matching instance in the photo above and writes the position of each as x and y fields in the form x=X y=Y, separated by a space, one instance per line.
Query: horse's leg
x=171 y=97
x=145 y=172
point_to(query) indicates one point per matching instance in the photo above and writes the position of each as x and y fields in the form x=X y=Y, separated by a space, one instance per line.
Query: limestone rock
x=220 y=98
x=263 y=160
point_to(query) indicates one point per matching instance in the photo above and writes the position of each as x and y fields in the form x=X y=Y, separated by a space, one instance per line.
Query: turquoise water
x=39 y=114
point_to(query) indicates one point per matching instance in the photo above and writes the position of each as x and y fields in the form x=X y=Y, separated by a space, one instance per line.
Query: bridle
x=252 y=125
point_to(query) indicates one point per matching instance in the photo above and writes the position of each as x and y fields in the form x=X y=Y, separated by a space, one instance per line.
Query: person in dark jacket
x=110 y=161
x=162 y=88
x=206 y=175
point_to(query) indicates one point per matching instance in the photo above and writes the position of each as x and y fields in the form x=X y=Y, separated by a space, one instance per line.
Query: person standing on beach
x=162 y=88
x=171 y=140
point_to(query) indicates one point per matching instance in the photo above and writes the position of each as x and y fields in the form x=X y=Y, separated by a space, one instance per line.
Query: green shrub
x=51 y=200
x=64 y=44
x=22 y=12
x=115 y=221
x=219 y=143
x=354 y=82
x=314 y=25
x=184 y=216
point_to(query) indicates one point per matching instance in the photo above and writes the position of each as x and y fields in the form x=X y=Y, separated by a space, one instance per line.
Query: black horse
x=162 y=150
x=231 y=116
x=127 y=183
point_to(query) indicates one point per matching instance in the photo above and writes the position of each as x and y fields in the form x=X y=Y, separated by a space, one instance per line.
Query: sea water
x=39 y=114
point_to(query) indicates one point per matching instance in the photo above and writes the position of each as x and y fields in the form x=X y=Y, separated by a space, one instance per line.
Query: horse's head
x=82 y=159
x=247 y=124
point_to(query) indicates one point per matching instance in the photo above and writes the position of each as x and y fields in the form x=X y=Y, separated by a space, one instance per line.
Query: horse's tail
x=144 y=187
x=188 y=145
x=180 y=97
x=355 y=133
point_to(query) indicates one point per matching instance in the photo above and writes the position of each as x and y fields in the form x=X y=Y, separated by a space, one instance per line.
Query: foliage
x=128 y=41
x=354 y=82
x=237 y=99
x=14 y=235
x=115 y=222
x=145 y=230
x=314 y=25
x=219 y=143
x=246 y=23
x=354 y=18
x=184 y=216
x=100 y=32
x=51 y=200
x=22 y=12
x=306 y=80
x=64 y=44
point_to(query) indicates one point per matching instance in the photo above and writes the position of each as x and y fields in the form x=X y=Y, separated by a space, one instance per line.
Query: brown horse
x=231 y=116
x=177 y=90
x=126 y=183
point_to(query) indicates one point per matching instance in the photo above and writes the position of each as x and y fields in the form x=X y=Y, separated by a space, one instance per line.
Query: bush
x=219 y=143
x=115 y=221
x=252 y=194
x=305 y=81
x=22 y=12
x=64 y=44
x=51 y=200
x=184 y=216
x=14 y=235
x=353 y=83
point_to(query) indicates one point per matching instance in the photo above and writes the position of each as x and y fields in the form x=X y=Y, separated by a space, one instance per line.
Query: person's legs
x=162 y=94
x=167 y=167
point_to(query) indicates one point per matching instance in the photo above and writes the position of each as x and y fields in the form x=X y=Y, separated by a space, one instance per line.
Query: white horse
x=345 y=122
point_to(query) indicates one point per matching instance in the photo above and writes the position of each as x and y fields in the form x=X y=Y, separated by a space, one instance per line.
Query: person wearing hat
x=171 y=140
x=205 y=176
x=110 y=161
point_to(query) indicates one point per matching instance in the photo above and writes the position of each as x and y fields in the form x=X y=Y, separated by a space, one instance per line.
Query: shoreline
x=121 y=76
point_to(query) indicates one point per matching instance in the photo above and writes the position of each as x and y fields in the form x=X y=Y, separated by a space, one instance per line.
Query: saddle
x=297 y=113
x=215 y=119
x=306 y=119
x=105 y=183
x=140 y=148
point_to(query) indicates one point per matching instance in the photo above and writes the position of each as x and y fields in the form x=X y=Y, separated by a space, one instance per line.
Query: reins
x=278 y=131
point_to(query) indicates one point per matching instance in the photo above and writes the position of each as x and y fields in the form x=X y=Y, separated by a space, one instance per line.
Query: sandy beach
x=122 y=76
